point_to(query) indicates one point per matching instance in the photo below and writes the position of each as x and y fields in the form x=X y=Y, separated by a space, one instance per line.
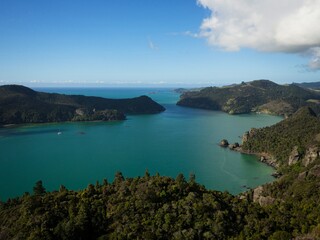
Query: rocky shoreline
x=264 y=157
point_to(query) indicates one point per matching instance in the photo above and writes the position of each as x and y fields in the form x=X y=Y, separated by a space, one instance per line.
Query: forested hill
x=258 y=96
x=295 y=139
x=19 y=104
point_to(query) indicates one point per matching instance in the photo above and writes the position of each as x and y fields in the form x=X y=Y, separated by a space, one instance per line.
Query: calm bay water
x=179 y=140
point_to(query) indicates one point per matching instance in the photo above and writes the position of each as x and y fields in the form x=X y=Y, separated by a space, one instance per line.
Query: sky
x=158 y=42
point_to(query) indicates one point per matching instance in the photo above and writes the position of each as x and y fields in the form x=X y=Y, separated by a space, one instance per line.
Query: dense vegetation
x=155 y=207
x=300 y=131
x=151 y=207
x=19 y=104
x=258 y=96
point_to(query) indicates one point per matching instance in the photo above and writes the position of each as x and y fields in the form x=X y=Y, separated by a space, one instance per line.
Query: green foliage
x=155 y=207
x=38 y=189
x=151 y=207
x=257 y=95
x=19 y=104
x=299 y=130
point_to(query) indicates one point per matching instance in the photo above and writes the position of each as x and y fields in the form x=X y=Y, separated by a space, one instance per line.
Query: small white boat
x=59 y=133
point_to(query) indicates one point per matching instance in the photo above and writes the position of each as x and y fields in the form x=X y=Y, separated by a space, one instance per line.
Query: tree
x=38 y=189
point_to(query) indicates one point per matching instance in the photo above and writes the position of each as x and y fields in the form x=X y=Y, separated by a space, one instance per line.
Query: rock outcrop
x=259 y=198
x=247 y=135
x=294 y=157
x=312 y=153
x=224 y=143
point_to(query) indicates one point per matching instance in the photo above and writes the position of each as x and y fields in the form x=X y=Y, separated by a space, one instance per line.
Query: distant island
x=19 y=104
x=262 y=96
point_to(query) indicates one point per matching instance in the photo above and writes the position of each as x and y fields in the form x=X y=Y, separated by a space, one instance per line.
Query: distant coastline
x=19 y=105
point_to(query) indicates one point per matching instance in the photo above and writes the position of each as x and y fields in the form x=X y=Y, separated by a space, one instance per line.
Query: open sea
x=179 y=140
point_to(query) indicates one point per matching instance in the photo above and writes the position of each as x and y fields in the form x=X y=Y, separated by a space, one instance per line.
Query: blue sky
x=142 y=42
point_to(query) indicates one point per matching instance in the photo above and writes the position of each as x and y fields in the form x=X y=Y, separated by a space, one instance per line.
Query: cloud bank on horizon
x=289 y=26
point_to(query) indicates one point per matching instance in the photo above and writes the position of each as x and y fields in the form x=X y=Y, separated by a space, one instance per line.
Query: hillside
x=312 y=85
x=288 y=141
x=19 y=104
x=257 y=96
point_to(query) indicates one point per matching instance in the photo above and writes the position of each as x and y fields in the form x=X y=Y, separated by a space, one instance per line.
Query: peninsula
x=19 y=104
x=256 y=96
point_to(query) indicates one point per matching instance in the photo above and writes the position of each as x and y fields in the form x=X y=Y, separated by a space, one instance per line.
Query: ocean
x=179 y=140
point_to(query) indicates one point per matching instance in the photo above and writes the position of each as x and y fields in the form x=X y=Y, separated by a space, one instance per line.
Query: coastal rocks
x=262 y=200
x=269 y=161
x=234 y=146
x=248 y=135
x=224 y=143
x=276 y=175
x=294 y=156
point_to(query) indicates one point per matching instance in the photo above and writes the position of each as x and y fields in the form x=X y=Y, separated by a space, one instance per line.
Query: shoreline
x=263 y=157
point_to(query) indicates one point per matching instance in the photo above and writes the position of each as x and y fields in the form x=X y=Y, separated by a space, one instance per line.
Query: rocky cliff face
x=312 y=153
x=259 y=198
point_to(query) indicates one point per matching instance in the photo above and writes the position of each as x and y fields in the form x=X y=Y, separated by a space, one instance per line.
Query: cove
x=179 y=140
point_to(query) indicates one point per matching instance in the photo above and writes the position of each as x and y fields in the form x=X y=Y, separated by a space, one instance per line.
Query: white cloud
x=290 y=26
x=314 y=63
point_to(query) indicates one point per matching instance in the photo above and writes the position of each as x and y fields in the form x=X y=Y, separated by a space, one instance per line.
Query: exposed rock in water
x=234 y=146
x=224 y=143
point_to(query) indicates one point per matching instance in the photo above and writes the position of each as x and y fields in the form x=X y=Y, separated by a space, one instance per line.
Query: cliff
x=256 y=96
x=19 y=104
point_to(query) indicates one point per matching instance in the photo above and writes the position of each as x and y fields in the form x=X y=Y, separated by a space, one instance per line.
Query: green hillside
x=19 y=104
x=257 y=96
x=293 y=135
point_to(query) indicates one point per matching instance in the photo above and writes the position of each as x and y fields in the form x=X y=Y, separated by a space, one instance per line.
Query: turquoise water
x=179 y=140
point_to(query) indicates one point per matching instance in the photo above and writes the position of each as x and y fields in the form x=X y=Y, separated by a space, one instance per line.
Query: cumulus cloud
x=314 y=63
x=289 y=26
